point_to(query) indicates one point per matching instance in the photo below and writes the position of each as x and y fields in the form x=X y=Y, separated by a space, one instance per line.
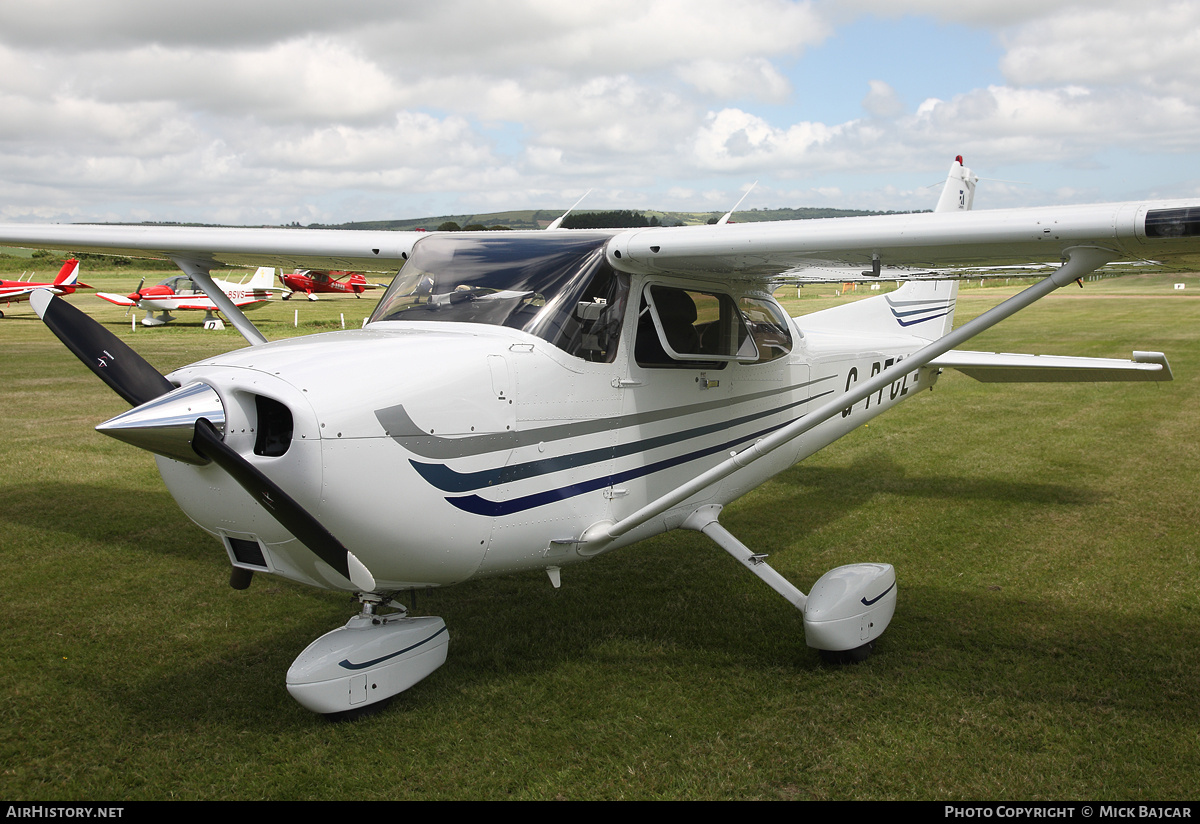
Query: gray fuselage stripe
x=448 y=480
x=401 y=428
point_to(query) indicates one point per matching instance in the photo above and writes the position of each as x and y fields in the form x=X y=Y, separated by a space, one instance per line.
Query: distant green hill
x=540 y=218
x=519 y=219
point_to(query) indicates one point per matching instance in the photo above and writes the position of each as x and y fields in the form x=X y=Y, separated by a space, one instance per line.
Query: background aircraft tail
x=68 y=275
x=264 y=278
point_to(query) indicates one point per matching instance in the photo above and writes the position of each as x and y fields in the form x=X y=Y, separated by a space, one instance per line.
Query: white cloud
x=982 y=13
x=882 y=100
x=753 y=78
x=1033 y=124
x=1153 y=46
x=307 y=108
x=412 y=140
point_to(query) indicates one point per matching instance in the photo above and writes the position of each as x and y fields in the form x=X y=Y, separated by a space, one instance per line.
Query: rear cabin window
x=768 y=326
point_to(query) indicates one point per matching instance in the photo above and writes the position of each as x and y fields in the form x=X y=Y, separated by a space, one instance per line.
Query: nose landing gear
x=357 y=668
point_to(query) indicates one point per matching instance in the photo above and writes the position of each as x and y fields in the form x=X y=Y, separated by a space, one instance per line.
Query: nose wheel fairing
x=367 y=661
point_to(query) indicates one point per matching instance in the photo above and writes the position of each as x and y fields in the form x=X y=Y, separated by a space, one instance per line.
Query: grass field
x=1045 y=644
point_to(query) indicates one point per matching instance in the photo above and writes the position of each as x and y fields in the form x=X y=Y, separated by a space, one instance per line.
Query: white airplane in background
x=530 y=400
x=179 y=293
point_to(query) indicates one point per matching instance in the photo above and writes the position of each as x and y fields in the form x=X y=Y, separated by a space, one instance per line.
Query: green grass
x=1044 y=646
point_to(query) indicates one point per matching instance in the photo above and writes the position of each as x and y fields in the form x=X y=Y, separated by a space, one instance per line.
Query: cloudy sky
x=257 y=111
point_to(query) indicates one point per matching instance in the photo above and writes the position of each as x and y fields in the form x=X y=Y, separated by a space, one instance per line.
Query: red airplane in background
x=13 y=291
x=311 y=281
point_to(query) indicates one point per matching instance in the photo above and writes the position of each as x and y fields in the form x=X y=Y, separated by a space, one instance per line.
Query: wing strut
x=1079 y=261
x=199 y=276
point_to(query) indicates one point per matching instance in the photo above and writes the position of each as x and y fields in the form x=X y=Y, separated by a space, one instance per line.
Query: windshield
x=558 y=286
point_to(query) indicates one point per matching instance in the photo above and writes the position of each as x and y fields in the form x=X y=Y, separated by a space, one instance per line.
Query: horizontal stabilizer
x=1000 y=367
x=119 y=300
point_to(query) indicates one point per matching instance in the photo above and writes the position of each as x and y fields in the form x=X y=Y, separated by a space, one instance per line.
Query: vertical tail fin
x=264 y=278
x=68 y=275
x=959 y=192
x=924 y=308
x=921 y=308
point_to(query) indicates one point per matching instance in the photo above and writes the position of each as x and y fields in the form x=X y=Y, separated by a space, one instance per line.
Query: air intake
x=274 y=427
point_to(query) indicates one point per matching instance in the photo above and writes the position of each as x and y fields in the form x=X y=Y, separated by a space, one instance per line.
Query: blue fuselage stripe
x=448 y=480
x=920 y=320
x=481 y=506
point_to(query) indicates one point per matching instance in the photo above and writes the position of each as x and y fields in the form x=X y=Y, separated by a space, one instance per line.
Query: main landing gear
x=847 y=609
x=356 y=669
x=161 y=319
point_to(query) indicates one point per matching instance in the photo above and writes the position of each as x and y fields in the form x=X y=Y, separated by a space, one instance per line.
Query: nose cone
x=166 y=425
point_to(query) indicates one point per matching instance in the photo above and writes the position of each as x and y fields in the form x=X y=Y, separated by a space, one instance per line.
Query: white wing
x=214 y=247
x=16 y=293
x=920 y=245
x=924 y=245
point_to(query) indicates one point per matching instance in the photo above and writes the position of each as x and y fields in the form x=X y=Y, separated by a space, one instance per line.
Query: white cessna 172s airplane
x=530 y=400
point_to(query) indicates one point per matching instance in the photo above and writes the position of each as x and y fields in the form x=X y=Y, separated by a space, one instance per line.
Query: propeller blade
x=125 y=371
x=133 y=378
x=294 y=518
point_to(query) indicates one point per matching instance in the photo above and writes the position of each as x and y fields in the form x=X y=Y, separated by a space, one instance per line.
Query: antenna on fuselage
x=725 y=217
x=557 y=222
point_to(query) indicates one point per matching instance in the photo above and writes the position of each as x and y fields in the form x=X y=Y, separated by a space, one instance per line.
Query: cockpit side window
x=558 y=286
x=690 y=328
x=181 y=284
x=585 y=320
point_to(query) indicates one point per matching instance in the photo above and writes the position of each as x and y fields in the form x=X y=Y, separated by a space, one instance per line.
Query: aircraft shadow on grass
x=1051 y=664
x=638 y=602
x=142 y=519
x=821 y=495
